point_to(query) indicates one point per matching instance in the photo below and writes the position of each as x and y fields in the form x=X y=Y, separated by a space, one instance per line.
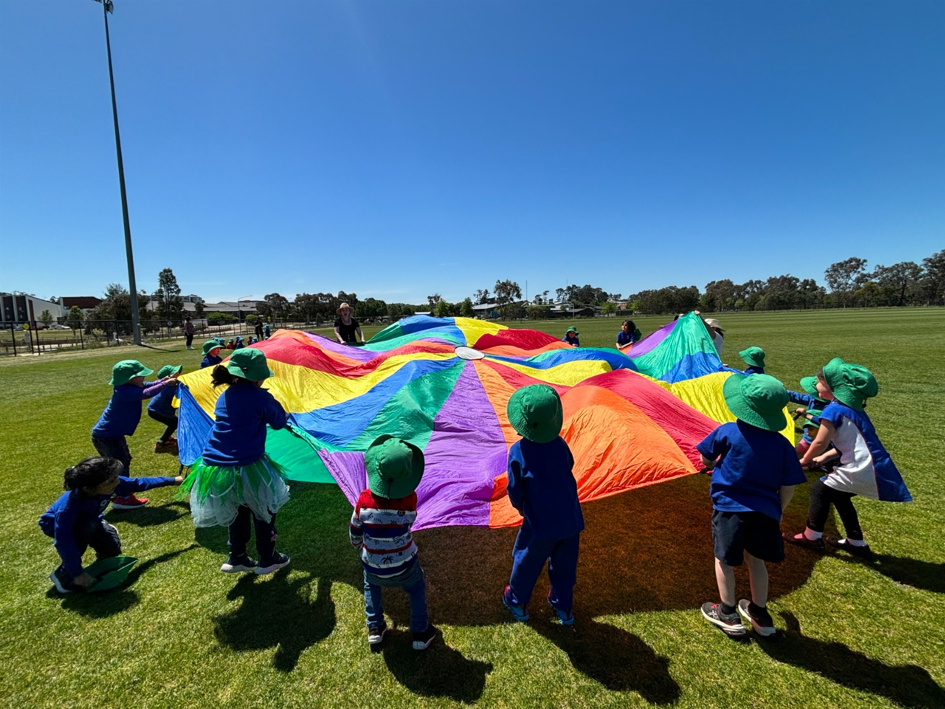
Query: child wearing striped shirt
x=380 y=527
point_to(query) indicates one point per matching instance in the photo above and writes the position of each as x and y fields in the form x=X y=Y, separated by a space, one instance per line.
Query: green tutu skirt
x=217 y=492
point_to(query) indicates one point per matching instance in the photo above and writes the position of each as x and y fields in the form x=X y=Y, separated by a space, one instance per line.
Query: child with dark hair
x=754 y=473
x=541 y=486
x=234 y=483
x=161 y=409
x=629 y=335
x=380 y=527
x=75 y=520
x=122 y=415
x=865 y=467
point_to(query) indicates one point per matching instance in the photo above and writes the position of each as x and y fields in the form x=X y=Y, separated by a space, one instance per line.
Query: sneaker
x=801 y=540
x=169 y=446
x=421 y=641
x=730 y=623
x=565 y=617
x=519 y=613
x=376 y=633
x=761 y=623
x=235 y=564
x=864 y=551
x=59 y=580
x=130 y=502
x=278 y=561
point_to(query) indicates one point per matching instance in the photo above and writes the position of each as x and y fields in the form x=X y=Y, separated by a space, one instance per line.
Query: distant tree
x=481 y=296
x=506 y=292
x=433 y=300
x=217 y=318
x=305 y=305
x=75 y=318
x=441 y=309
x=898 y=283
x=251 y=318
x=277 y=306
x=46 y=318
x=708 y=303
x=538 y=312
x=198 y=309
x=932 y=281
x=466 y=308
x=560 y=294
x=844 y=277
x=608 y=308
x=170 y=303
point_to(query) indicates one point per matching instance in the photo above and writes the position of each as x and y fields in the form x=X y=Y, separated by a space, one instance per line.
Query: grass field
x=183 y=634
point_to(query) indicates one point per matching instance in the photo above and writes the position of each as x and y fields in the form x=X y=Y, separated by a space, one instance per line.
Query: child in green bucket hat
x=754 y=471
x=865 y=466
x=122 y=416
x=541 y=486
x=571 y=337
x=380 y=527
x=754 y=357
x=75 y=520
x=211 y=354
x=161 y=409
x=810 y=406
x=233 y=483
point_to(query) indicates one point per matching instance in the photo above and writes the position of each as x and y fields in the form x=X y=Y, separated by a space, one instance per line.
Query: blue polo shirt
x=754 y=370
x=123 y=412
x=239 y=428
x=209 y=361
x=543 y=489
x=162 y=404
x=752 y=465
x=573 y=341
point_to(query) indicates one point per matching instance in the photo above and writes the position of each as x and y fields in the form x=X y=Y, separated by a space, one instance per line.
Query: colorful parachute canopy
x=443 y=384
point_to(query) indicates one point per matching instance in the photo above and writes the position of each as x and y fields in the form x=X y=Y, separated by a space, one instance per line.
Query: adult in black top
x=347 y=329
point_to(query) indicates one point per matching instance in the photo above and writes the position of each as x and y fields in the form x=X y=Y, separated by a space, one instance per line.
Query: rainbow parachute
x=443 y=384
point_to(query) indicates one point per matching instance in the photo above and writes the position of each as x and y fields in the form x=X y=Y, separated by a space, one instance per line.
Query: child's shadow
x=907 y=685
x=149 y=516
x=108 y=603
x=926 y=575
x=617 y=659
x=439 y=671
x=278 y=613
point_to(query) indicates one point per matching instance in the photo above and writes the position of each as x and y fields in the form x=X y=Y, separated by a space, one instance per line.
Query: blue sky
x=397 y=149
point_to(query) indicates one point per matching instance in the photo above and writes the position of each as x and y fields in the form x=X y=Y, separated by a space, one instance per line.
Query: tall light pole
x=107 y=8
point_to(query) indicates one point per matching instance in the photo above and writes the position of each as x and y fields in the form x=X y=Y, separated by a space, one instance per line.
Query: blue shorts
x=735 y=533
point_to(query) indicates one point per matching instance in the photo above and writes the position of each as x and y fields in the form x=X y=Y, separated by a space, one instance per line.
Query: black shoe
x=376 y=633
x=760 y=618
x=421 y=641
x=63 y=581
x=235 y=564
x=864 y=552
x=277 y=562
x=729 y=622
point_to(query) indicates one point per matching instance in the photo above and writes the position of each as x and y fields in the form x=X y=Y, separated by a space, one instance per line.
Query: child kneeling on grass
x=755 y=471
x=380 y=528
x=75 y=520
x=865 y=467
x=543 y=489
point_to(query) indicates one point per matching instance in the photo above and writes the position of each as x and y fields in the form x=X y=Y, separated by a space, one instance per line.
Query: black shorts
x=737 y=532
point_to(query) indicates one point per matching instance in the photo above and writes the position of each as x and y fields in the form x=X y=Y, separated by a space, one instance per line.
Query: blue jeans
x=413 y=583
x=528 y=558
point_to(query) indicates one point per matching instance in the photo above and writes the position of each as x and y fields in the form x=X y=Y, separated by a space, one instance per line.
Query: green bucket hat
x=169 y=370
x=758 y=399
x=809 y=384
x=126 y=370
x=851 y=384
x=755 y=356
x=249 y=364
x=210 y=345
x=571 y=329
x=812 y=424
x=109 y=573
x=535 y=413
x=394 y=467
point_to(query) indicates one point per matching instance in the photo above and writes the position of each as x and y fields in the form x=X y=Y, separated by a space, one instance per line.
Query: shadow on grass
x=925 y=575
x=906 y=685
x=151 y=515
x=277 y=613
x=108 y=603
x=619 y=660
x=439 y=671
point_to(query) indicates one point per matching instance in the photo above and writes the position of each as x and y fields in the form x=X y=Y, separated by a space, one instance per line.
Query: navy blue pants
x=240 y=531
x=116 y=448
x=528 y=559
x=95 y=533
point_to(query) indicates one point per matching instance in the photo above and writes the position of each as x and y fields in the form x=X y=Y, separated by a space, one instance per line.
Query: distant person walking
x=189 y=332
x=258 y=329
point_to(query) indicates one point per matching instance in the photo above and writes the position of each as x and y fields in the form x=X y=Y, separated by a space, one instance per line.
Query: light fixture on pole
x=107 y=8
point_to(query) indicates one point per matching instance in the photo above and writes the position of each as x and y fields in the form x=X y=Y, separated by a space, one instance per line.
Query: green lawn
x=183 y=634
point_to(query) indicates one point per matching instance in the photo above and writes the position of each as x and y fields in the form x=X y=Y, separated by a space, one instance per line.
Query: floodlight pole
x=107 y=7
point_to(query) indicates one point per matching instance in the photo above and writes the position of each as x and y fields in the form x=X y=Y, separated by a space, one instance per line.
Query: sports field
x=182 y=634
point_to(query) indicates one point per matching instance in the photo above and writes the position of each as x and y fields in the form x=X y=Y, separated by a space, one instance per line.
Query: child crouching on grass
x=865 y=467
x=755 y=471
x=543 y=489
x=380 y=528
x=75 y=520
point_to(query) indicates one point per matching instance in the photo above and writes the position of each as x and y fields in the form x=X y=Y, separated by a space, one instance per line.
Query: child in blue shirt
x=75 y=520
x=541 y=486
x=122 y=415
x=234 y=483
x=754 y=357
x=161 y=409
x=865 y=467
x=380 y=528
x=571 y=337
x=810 y=406
x=211 y=354
x=628 y=335
x=754 y=473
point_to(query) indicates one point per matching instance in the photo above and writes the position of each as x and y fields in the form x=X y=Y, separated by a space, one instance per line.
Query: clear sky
x=397 y=149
